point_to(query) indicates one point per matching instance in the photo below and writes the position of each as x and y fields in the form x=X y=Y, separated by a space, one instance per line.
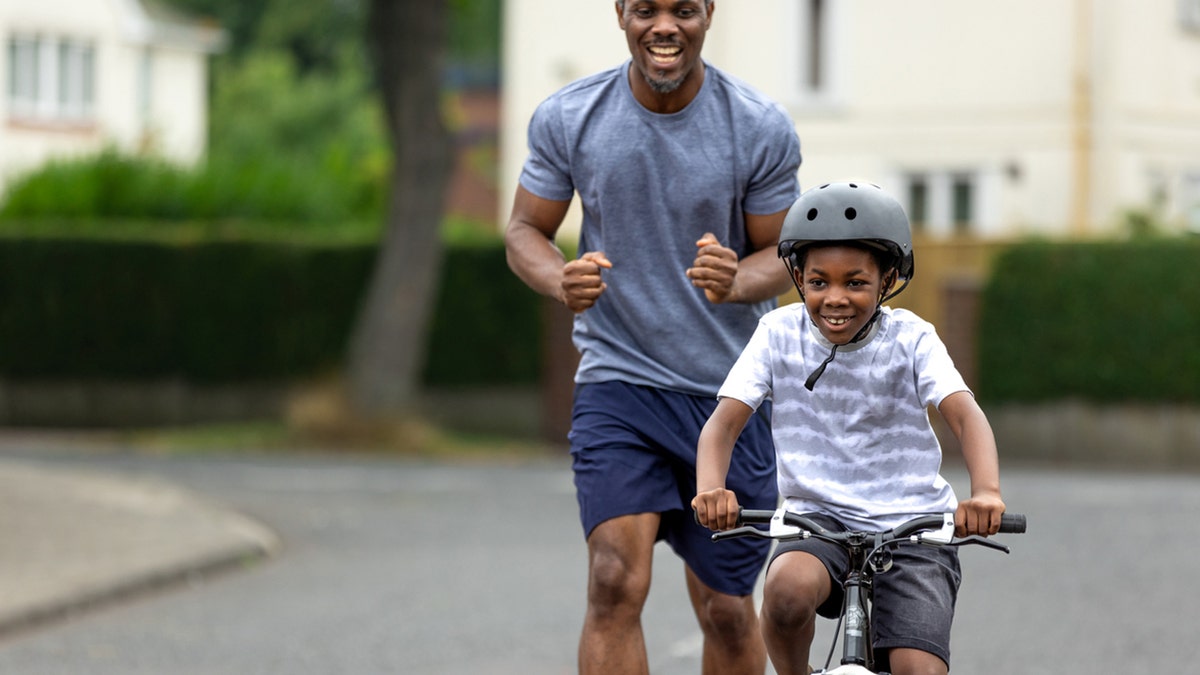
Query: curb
x=73 y=542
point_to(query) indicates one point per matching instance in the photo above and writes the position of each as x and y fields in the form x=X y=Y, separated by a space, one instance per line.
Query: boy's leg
x=797 y=584
x=732 y=643
x=620 y=553
x=914 y=609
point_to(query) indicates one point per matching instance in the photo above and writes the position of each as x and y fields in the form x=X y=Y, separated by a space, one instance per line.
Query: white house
x=988 y=120
x=79 y=75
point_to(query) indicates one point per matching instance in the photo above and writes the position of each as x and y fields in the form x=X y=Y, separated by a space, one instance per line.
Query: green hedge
x=1098 y=322
x=487 y=325
x=234 y=310
x=265 y=188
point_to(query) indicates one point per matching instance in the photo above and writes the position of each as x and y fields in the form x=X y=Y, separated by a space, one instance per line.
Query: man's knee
x=613 y=580
x=618 y=567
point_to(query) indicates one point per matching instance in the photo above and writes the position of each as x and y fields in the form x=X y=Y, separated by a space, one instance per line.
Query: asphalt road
x=392 y=566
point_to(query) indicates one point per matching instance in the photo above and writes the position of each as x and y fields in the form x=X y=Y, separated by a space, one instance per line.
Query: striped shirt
x=859 y=447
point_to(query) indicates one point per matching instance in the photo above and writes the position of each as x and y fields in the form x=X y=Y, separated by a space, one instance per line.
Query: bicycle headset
x=851 y=213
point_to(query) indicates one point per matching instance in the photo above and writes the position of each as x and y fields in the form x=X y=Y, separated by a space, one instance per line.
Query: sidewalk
x=74 y=540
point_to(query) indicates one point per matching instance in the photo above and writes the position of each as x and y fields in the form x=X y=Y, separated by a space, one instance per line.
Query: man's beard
x=663 y=86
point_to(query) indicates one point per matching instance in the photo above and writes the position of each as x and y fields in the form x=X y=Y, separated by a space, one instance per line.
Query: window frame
x=813 y=76
x=952 y=201
x=51 y=79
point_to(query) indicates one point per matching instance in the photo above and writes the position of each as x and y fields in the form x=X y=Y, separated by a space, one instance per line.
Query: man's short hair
x=621 y=4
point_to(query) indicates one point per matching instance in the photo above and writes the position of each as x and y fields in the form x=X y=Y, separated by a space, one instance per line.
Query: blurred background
x=282 y=217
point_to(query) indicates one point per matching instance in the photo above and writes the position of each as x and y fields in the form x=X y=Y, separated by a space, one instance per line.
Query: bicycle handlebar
x=937 y=529
x=1012 y=523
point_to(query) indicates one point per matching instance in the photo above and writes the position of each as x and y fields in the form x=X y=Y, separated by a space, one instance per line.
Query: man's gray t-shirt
x=651 y=185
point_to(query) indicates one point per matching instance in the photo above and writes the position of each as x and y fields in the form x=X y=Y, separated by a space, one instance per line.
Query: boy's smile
x=842 y=286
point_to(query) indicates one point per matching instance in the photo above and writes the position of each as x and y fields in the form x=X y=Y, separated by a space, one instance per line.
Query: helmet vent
x=812 y=214
x=851 y=214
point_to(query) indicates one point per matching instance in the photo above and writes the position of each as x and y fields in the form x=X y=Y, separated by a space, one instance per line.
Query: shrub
x=1101 y=322
x=108 y=186
x=210 y=309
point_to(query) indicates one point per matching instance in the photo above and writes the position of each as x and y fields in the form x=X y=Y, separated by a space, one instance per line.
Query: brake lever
x=744 y=531
x=982 y=541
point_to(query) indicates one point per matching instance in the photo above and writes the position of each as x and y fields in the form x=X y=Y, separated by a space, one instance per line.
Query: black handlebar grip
x=1012 y=523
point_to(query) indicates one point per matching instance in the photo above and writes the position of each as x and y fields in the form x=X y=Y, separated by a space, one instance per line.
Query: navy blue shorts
x=634 y=451
x=913 y=601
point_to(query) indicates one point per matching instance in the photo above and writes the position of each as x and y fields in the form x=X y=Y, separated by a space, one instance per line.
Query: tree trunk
x=407 y=41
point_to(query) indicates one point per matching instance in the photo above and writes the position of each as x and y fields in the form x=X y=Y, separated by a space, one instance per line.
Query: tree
x=406 y=41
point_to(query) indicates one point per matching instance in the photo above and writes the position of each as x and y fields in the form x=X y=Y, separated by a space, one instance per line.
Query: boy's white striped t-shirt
x=860 y=446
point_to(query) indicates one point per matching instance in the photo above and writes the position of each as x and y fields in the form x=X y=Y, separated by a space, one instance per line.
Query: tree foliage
x=296 y=89
x=294 y=85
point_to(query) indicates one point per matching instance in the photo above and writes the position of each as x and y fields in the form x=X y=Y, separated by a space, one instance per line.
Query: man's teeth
x=664 y=53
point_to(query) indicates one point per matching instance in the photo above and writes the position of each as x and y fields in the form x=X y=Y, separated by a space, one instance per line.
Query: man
x=685 y=175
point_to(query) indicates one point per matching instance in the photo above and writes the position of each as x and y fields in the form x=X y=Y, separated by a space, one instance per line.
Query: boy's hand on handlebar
x=716 y=509
x=978 y=515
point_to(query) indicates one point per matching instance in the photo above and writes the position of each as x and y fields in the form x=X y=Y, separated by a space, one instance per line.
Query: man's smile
x=665 y=55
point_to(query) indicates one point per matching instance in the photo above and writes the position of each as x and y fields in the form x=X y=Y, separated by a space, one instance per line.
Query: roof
x=152 y=22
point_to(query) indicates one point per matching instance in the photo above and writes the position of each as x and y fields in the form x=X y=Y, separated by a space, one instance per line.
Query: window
x=145 y=85
x=918 y=201
x=1190 y=201
x=942 y=202
x=962 y=195
x=1189 y=15
x=811 y=51
x=814 y=76
x=51 y=79
x=22 y=71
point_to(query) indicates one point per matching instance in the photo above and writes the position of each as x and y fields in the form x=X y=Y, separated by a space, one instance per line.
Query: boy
x=853 y=440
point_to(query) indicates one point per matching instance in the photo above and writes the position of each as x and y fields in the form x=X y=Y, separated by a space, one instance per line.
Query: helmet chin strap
x=862 y=333
x=884 y=296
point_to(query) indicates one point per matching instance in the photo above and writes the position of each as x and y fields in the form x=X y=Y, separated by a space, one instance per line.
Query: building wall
x=149 y=94
x=1065 y=114
x=546 y=45
x=1147 y=68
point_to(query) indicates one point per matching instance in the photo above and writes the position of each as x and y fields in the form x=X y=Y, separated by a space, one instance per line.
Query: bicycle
x=869 y=555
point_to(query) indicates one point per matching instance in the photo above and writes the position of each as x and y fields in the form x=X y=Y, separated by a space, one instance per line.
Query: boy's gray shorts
x=913 y=601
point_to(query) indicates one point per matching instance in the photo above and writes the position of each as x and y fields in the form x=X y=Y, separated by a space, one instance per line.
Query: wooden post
x=559 y=361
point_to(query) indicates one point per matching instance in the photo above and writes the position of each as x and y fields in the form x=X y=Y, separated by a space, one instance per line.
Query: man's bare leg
x=620 y=554
x=733 y=643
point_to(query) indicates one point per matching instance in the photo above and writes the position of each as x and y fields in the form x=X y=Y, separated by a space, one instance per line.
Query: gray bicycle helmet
x=849 y=212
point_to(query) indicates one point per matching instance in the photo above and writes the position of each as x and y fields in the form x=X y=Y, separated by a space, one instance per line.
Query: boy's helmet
x=848 y=212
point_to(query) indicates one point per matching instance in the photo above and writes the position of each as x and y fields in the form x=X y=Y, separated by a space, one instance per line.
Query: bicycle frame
x=868 y=553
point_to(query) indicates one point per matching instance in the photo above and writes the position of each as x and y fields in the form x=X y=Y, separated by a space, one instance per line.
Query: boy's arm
x=717 y=508
x=981 y=513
